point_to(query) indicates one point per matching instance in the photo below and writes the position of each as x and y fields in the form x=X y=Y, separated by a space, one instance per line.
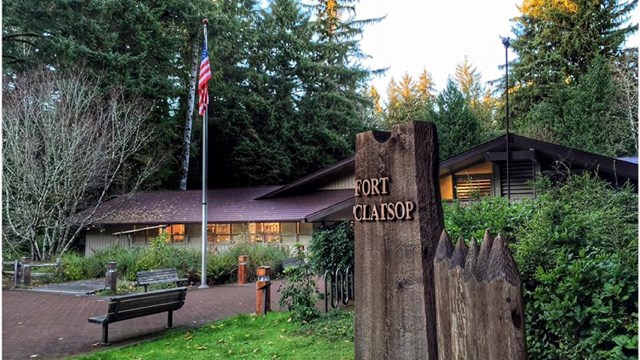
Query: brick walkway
x=53 y=326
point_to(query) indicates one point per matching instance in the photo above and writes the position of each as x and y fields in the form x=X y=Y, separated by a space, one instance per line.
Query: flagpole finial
x=205 y=21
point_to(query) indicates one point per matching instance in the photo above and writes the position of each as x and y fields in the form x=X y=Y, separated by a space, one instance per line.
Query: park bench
x=162 y=276
x=291 y=262
x=127 y=307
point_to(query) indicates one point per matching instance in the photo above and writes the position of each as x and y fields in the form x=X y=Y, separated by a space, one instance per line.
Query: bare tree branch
x=66 y=146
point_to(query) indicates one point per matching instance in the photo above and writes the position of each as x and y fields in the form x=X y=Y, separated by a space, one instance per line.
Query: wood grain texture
x=395 y=292
x=441 y=266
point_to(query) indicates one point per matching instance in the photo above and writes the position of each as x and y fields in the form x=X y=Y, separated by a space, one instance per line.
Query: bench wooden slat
x=160 y=276
x=150 y=310
x=121 y=305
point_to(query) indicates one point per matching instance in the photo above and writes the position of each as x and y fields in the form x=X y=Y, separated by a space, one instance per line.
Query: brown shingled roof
x=224 y=206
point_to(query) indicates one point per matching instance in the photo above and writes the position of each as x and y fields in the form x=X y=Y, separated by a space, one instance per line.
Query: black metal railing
x=338 y=287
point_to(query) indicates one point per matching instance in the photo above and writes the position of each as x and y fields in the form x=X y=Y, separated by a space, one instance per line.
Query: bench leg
x=105 y=334
x=170 y=319
x=145 y=288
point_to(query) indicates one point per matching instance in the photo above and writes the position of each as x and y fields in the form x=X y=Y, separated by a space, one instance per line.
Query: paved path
x=54 y=325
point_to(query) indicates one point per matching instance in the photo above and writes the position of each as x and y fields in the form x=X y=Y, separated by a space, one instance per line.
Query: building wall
x=289 y=234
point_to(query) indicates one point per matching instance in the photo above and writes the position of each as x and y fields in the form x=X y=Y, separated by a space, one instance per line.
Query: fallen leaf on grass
x=201 y=347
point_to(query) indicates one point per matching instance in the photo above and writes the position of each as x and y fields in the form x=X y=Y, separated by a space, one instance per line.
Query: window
x=264 y=232
x=218 y=232
x=472 y=186
x=176 y=232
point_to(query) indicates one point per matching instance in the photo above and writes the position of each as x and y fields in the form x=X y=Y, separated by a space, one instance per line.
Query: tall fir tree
x=458 y=126
x=558 y=43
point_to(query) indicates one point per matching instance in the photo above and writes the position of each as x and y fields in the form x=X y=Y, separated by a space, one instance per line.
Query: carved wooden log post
x=398 y=215
x=459 y=304
x=441 y=266
x=506 y=336
x=481 y=316
x=472 y=301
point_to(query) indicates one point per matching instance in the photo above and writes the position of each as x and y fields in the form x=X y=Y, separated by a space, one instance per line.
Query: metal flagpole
x=205 y=158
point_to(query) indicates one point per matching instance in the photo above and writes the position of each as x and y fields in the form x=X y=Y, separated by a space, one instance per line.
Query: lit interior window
x=218 y=232
x=264 y=232
x=177 y=232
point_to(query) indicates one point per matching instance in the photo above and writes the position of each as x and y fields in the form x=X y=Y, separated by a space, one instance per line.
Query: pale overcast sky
x=436 y=35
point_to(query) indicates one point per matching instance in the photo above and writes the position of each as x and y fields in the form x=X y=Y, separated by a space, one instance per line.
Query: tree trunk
x=188 y=123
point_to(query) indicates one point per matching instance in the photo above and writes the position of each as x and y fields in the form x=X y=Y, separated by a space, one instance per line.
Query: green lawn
x=248 y=337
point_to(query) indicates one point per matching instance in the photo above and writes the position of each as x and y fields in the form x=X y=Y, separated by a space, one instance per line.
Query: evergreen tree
x=558 y=43
x=480 y=99
x=140 y=45
x=425 y=87
x=457 y=124
x=408 y=100
x=334 y=87
x=468 y=79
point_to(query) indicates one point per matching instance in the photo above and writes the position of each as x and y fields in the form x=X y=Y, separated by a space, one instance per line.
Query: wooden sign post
x=398 y=221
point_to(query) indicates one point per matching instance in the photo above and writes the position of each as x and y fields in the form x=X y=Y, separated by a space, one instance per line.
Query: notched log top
x=483 y=256
x=445 y=248
x=489 y=262
x=501 y=263
x=471 y=261
x=459 y=254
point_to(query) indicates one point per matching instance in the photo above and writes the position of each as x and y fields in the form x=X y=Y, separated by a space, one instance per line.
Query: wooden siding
x=521 y=174
x=343 y=180
x=100 y=238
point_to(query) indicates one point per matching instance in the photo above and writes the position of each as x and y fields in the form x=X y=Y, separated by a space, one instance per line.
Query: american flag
x=205 y=75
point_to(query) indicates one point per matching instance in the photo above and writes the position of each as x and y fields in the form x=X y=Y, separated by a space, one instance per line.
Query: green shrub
x=299 y=294
x=78 y=267
x=584 y=308
x=73 y=267
x=332 y=247
x=584 y=211
x=494 y=213
x=223 y=268
x=578 y=262
x=162 y=255
x=576 y=247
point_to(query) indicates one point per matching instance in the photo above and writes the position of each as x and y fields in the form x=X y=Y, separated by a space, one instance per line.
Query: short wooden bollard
x=111 y=277
x=263 y=290
x=26 y=271
x=17 y=273
x=243 y=264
